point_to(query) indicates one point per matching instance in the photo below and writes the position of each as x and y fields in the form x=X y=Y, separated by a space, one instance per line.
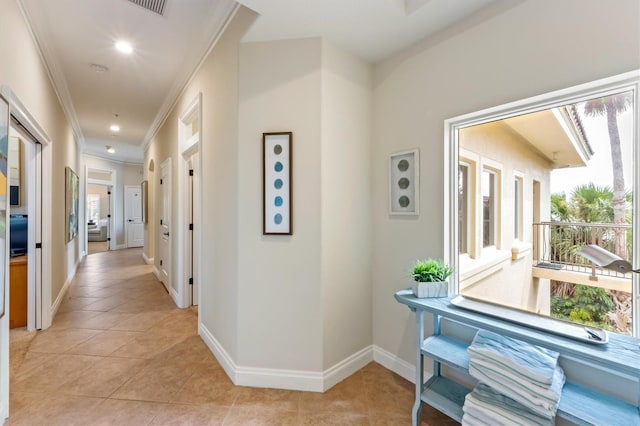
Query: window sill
x=474 y=270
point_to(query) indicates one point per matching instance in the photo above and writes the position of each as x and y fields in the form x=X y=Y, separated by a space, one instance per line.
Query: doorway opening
x=100 y=198
x=98 y=214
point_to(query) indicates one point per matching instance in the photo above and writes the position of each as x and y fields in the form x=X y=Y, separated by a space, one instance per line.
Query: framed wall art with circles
x=276 y=183
x=404 y=186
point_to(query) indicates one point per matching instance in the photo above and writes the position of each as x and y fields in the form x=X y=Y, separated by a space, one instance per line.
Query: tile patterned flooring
x=120 y=353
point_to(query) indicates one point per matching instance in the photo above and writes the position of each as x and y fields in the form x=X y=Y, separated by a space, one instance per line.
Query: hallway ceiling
x=142 y=87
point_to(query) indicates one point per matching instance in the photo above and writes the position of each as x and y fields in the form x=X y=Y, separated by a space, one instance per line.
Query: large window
x=521 y=216
x=93 y=207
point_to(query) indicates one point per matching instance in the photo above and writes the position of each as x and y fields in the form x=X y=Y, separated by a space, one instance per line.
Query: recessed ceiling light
x=114 y=128
x=110 y=149
x=124 y=47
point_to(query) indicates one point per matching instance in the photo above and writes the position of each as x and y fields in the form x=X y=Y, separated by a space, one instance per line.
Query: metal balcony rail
x=555 y=245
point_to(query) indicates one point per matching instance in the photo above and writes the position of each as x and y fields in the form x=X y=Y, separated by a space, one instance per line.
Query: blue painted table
x=591 y=369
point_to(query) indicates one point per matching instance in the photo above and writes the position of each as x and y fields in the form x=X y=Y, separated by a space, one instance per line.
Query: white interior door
x=164 y=246
x=133 y=216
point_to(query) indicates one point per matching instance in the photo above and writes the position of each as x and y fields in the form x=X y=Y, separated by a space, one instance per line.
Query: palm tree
x=560 y=208
x=592 y=203
x=610 y=107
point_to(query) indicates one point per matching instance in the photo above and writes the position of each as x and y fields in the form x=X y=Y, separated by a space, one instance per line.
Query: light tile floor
x=120 y=353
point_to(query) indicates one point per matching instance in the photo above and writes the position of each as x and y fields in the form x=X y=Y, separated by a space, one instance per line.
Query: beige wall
x=217 y=80
x=533 y=48
x=323 y=95
x=276 y=271
x=303 y=299
x=346 y=229
x=22 y=70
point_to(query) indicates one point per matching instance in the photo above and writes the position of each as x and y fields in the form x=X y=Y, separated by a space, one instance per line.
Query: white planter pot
x=436 y=289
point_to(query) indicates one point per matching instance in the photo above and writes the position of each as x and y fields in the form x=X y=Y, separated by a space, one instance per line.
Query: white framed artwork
x=404 y=183
x=276 y=183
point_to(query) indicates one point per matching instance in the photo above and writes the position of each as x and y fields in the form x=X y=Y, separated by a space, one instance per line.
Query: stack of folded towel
x=519 y=383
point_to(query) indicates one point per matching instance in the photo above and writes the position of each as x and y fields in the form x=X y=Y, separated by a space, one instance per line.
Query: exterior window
x=517 y=208
x=93 y=206
x=488 y=208
x=463 y=210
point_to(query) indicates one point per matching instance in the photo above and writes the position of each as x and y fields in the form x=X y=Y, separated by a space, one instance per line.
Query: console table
x=585 y=399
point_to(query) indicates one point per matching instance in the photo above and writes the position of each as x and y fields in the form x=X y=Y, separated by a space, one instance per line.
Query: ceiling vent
x=156 y=6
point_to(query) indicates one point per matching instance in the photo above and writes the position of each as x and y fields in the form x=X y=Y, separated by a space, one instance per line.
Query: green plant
x=430 y=270
x=589 y=305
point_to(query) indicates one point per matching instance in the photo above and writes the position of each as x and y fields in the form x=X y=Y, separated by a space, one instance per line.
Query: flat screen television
x=18 y=234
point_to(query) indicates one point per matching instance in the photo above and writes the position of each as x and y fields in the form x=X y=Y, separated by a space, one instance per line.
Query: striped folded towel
x=529 y=361
x=484 y=406
x=541 y=400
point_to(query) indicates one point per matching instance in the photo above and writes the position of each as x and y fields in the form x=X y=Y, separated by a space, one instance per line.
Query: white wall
x=346 y=226
x=533 y=48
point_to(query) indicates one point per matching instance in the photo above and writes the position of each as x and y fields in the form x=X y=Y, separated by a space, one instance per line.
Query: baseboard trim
x=176 y=298
x=395 y=364
x=286 y=379
x=348 y=366
x=218 y=351
x=4 y=413
x=156 y=272
x=147 y=260
x=63 y=291
x=56 y=305
x=398 y=365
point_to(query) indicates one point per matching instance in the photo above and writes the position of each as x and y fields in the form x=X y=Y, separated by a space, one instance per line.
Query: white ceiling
x=142 y=87
x=371 y=29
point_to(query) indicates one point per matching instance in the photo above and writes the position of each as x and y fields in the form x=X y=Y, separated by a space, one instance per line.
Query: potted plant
x=430 y=278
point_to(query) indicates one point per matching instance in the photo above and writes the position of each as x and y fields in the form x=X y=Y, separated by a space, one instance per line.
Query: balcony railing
x=555 y=245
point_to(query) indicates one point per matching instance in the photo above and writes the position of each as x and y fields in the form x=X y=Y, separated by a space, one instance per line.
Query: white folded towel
x=486 y=406
x=538 y=399
x=530 y=361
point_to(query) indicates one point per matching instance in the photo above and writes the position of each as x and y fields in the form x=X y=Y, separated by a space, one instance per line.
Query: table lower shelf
x=578 y=404
x=445 y=395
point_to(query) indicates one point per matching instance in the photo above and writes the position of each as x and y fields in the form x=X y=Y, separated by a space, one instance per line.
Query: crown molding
x=56 y=77
x=113 y=160
x=225 y=11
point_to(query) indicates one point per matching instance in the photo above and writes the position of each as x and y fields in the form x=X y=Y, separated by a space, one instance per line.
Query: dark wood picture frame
x=277 y=184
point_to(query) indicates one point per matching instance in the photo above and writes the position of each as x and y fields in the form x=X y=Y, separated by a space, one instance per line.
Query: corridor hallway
x=120 y=353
